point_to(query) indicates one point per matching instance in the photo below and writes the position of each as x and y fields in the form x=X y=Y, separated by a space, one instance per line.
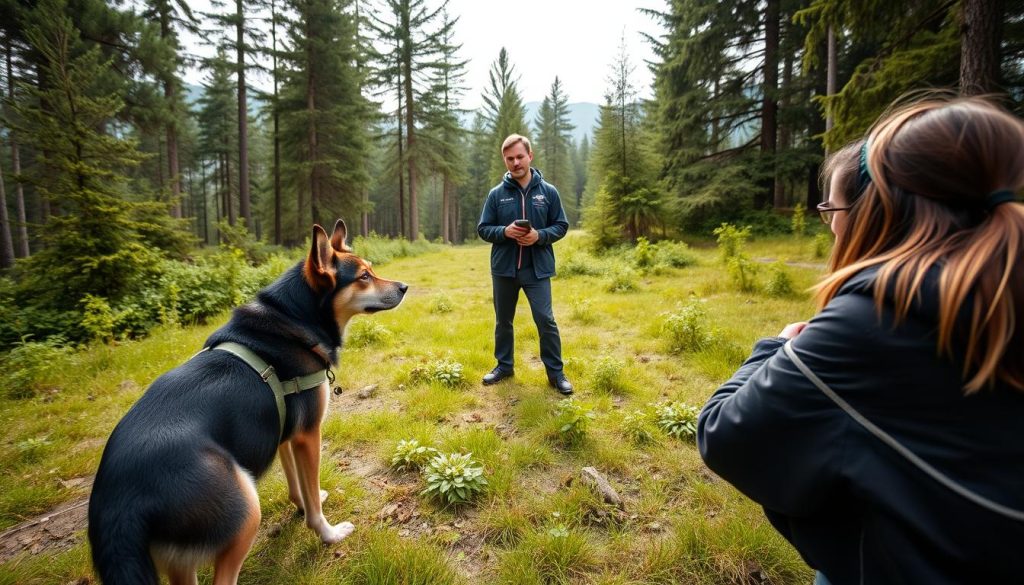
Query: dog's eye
x=364 y=276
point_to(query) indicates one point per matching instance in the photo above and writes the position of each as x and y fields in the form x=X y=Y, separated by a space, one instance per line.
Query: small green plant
x=97 y=318
x=637 y=426
x=409 y=455
x=364 y=333
x=580 y=309
x=674 y=254
x=573 y=419
x=644 y=254
x=799 y=220
x=678 y=419
x=743 y=272
x=822 y=244
x=687 y=329
x=779 y=284
x=622 y=280
x=731 y=240
x=454 y=478
x=441 y=304
x=607 y=375
x=29 y=364
x=579 y=263
x=446 y=372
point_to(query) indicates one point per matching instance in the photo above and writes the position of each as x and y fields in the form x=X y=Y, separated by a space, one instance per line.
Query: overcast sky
x=577 y=40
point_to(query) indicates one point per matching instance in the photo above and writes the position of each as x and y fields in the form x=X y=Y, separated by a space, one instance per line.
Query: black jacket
x=539 y=203
x=852 y=506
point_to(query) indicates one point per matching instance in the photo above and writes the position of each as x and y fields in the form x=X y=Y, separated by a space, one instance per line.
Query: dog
x=175 y=488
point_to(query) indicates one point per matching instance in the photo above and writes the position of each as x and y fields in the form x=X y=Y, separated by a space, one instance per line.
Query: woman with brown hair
x=883 y=437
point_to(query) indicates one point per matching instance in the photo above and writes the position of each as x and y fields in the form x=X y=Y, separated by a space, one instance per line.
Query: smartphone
x=523 y=223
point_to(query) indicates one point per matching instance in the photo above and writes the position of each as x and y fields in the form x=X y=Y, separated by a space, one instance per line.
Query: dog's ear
x=338 y=237
x=319 y=268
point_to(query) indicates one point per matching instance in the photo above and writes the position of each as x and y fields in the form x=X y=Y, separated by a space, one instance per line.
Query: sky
x=577 y=40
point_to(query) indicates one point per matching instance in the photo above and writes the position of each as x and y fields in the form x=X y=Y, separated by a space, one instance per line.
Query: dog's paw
x=337 y=533
x=300 y=511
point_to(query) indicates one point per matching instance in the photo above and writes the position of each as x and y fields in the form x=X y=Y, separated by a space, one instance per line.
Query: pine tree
x=503 y=108
x=554 y=134
x=324 y=114
x=217 y=125
x=21 y=245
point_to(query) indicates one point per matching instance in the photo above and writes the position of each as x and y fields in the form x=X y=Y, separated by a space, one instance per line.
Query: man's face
x=517 y=160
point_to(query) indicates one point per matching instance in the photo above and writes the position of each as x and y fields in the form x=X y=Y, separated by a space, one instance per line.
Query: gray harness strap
x=267 y=373
x=898 y=447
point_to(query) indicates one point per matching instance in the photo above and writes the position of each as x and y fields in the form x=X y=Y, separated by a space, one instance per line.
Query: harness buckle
x=267 y=373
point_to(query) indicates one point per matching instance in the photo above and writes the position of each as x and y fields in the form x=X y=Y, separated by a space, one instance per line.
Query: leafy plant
x=622 y=280
x=674 y=254
x=799 y=220
x=573 y=419
x=363 y=333
x=446 y=372
x=731 y=240
x=441 y=304
x=410 y=455
x=644 y=253
x=580 y=309
x=677 y=419
x=743 y=272
x=687 y=329
x=29 y=364
x=454 y=478
x=779 y=284
x=822 y=245
x=607 y=375
x=638 y=427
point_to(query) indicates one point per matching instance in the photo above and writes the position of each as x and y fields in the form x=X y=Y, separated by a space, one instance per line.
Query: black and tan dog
x=175 y=487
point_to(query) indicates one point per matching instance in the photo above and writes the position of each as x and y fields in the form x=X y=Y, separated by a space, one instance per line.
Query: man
x=522 y=258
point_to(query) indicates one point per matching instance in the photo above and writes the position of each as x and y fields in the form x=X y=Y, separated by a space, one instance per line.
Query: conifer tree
x=503 y=108
x=554 y=134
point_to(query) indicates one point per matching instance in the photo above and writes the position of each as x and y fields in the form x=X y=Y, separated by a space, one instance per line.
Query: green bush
x=731 y=240
x=446 y=372
x=687 y=329
x=743 y=272
x=798 y=223
x=674 y=254
x=441 y=304
x=364 y=332
x=607 y=375
x=779 y=284
x=454 y=478
x=622 y=280
x=580 y=309
x=97 y=318
x=380 y=250
x=579 y=263
x=410 y=455
x=677 y=419
x=28 y=364
x=637 y=426
x=644 y=254
x=573 y=420
x=822 y=244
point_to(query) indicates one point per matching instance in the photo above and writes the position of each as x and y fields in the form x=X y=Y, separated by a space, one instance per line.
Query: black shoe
x=497 y=375
x=560 y=383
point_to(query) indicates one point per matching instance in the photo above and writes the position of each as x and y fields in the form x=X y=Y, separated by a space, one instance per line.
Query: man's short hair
x=512 y=140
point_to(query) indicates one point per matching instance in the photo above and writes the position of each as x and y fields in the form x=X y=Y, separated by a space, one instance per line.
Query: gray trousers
x=538 y=293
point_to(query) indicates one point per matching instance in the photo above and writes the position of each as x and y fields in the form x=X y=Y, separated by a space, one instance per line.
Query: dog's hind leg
x=306 y=450
x=291 y=475
x=228 y=563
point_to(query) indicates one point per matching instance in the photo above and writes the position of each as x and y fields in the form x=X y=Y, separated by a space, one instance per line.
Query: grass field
x=537 y=522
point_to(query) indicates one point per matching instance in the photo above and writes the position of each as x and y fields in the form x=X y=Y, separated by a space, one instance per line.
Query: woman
x=883 y=437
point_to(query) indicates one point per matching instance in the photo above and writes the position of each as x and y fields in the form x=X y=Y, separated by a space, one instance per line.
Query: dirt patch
x=53 y=532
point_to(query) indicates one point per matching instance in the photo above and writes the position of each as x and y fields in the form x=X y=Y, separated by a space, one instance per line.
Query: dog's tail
x=120 y=547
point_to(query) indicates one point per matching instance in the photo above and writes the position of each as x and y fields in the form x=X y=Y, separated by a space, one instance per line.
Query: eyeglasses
x=827 y=212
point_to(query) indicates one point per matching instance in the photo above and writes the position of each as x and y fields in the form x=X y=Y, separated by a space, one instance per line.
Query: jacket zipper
x=523 y=195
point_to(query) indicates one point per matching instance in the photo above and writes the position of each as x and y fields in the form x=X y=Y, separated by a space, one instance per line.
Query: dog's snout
x=403 y=287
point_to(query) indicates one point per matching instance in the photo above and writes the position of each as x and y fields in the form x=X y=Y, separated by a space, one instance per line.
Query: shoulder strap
x=898 y=447
x=267 y=373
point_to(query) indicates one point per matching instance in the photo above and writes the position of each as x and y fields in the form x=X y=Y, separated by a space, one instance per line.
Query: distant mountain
x=583 y=115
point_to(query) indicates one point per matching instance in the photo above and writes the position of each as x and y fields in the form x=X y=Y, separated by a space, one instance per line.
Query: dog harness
x=267 y=373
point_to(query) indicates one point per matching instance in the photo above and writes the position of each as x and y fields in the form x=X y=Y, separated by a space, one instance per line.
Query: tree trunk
x=781 y=200
x=311 y=140
x=206 y=219
x=243 y=121
x=170 y=97
x=410 y=133
x=277 y=116
x=21 y=250
x=6 y=242
x=981 y=35
x=445 y=211
x=825 y=79
x=769 y=107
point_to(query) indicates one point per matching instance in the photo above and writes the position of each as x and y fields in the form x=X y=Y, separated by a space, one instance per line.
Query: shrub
x=446 y=372
x=637 y=427
x=731 y=240
x=580 y=310
x=409 y=455
x=441 y=304
x=607 y=375
x=454 y=478
x=687 y=329
x=674 y=254
x=379 y=249
x=779 y=284
x=573 y=419
x=622 y=280
x=678 y=419
x=798 y=223
x=363 y=333
x=822 y=245
x=743 y=271
x=644 y=254
x=579 y=263
x=97 y=318
x=29 y=364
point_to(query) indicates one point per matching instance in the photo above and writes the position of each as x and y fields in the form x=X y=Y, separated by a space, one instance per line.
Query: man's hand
x=514 y=232
x=529 y=238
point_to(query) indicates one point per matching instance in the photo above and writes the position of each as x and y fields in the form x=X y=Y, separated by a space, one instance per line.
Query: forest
x=123 y=190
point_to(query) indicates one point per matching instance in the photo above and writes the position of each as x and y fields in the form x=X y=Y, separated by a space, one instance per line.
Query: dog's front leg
x=305 y=447
x=291 y=476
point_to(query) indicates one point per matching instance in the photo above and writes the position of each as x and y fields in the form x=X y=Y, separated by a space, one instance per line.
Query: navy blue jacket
x=539 y=203
x=851 y=505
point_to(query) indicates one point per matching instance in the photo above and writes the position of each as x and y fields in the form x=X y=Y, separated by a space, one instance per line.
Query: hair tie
x=863 y=172
x=998 y=197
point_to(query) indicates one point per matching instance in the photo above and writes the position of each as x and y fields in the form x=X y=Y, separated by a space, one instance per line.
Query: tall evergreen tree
x=21 y=246
x=217 y=131
x=503 y=108
x=324 y=114
x=554 y=151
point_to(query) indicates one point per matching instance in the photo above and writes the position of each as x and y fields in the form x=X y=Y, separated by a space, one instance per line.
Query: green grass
x=536 y=523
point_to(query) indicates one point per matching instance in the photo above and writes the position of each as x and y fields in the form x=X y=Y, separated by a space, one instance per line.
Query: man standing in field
x=522 y=218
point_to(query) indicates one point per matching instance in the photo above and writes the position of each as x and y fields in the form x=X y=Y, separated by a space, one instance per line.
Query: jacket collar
x=535 y=179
